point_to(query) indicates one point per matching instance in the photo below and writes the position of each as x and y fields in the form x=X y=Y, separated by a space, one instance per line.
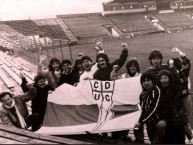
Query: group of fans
x=165 y=98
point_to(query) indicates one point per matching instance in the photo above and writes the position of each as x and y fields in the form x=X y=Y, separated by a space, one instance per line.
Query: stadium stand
x=6 y=80
x=51 y=28
x=87 y=26
x=174 y=20
x=12 y=74
x=130 y=23
x=26 y=27
x=40 y=27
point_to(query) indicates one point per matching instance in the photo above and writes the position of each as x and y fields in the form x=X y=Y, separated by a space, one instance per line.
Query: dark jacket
x=70 y=78
x=39 y=103
x=155 y=71
x=103 y=74
x=149 y=101
x=6 y=116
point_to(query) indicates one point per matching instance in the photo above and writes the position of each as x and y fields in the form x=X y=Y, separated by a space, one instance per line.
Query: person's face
x=41 y=83
x=102 y=62
x=80 y=67
x=147 y=84
x=66 y=67
x=87 y=64
x=133 y=69
x=156 y=62
x=164 y=80
x=7 y=100
x=55 y=65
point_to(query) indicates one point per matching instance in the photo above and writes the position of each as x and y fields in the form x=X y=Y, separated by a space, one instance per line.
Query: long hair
x=51 y=62
x=135 y=62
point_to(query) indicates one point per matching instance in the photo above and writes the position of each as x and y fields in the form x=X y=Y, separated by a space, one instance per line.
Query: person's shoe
x=126 y=138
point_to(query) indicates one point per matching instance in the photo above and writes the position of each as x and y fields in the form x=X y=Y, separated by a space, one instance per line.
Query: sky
x=34 y=9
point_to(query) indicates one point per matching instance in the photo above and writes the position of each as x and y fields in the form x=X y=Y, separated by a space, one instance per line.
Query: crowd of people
x=165 y=98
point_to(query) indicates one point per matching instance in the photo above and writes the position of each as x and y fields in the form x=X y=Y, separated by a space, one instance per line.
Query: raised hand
x=124 y=45
x=115 y=67
x=171 y=63
x=137 y=126
x=42 y=57
x=22 y=75
x=176 y=49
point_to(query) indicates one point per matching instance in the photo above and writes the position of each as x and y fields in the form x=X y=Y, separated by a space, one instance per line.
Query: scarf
x=20 y=117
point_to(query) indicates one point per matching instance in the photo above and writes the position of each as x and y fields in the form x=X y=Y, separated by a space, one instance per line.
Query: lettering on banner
x=103 y=94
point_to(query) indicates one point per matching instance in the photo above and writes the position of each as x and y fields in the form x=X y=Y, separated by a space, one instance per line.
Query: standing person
x=155 y=60
x=53 y=72
x=89 y=68
x=39 y=102
x=68 y=76
x=171 y=104
x=151 y=115
x=182 y=70
x=132 y=67
x=14 y=112
x=105 y=69
x=133 y=70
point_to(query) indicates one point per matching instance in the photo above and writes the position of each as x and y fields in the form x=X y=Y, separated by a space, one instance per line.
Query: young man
x=14 y=112
x=89 y=68
x=39 y=102
x=68 y=76
x=155 y=59
x=104 y=72
x=182 y=70
x=105 y=67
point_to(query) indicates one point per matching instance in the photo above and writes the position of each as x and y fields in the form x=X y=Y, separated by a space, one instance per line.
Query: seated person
x=14 y=112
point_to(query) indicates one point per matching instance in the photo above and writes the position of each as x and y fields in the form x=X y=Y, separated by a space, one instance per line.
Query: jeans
x=33 y=121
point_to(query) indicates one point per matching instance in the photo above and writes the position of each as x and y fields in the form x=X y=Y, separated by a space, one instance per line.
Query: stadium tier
x=26 y=27
x=47 y=27
x=176 y=19
x=129 y=23
x=51 y=28
x=86 y=25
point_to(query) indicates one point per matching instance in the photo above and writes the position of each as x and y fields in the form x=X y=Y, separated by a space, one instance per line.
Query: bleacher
x=47 y=27
x=10 y=79
x=88 y=26
x=51 y=28
x=26 y=27
x=9 y=36
x=130 y=23
x=174 y=20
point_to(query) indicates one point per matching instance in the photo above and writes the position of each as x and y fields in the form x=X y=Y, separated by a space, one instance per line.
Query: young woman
x=53 y=73
x=171 y=104
x=132 y=67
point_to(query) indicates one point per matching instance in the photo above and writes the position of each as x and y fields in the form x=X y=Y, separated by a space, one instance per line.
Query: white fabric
x=89 y=74
x=125 y=91
x=21 y=119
